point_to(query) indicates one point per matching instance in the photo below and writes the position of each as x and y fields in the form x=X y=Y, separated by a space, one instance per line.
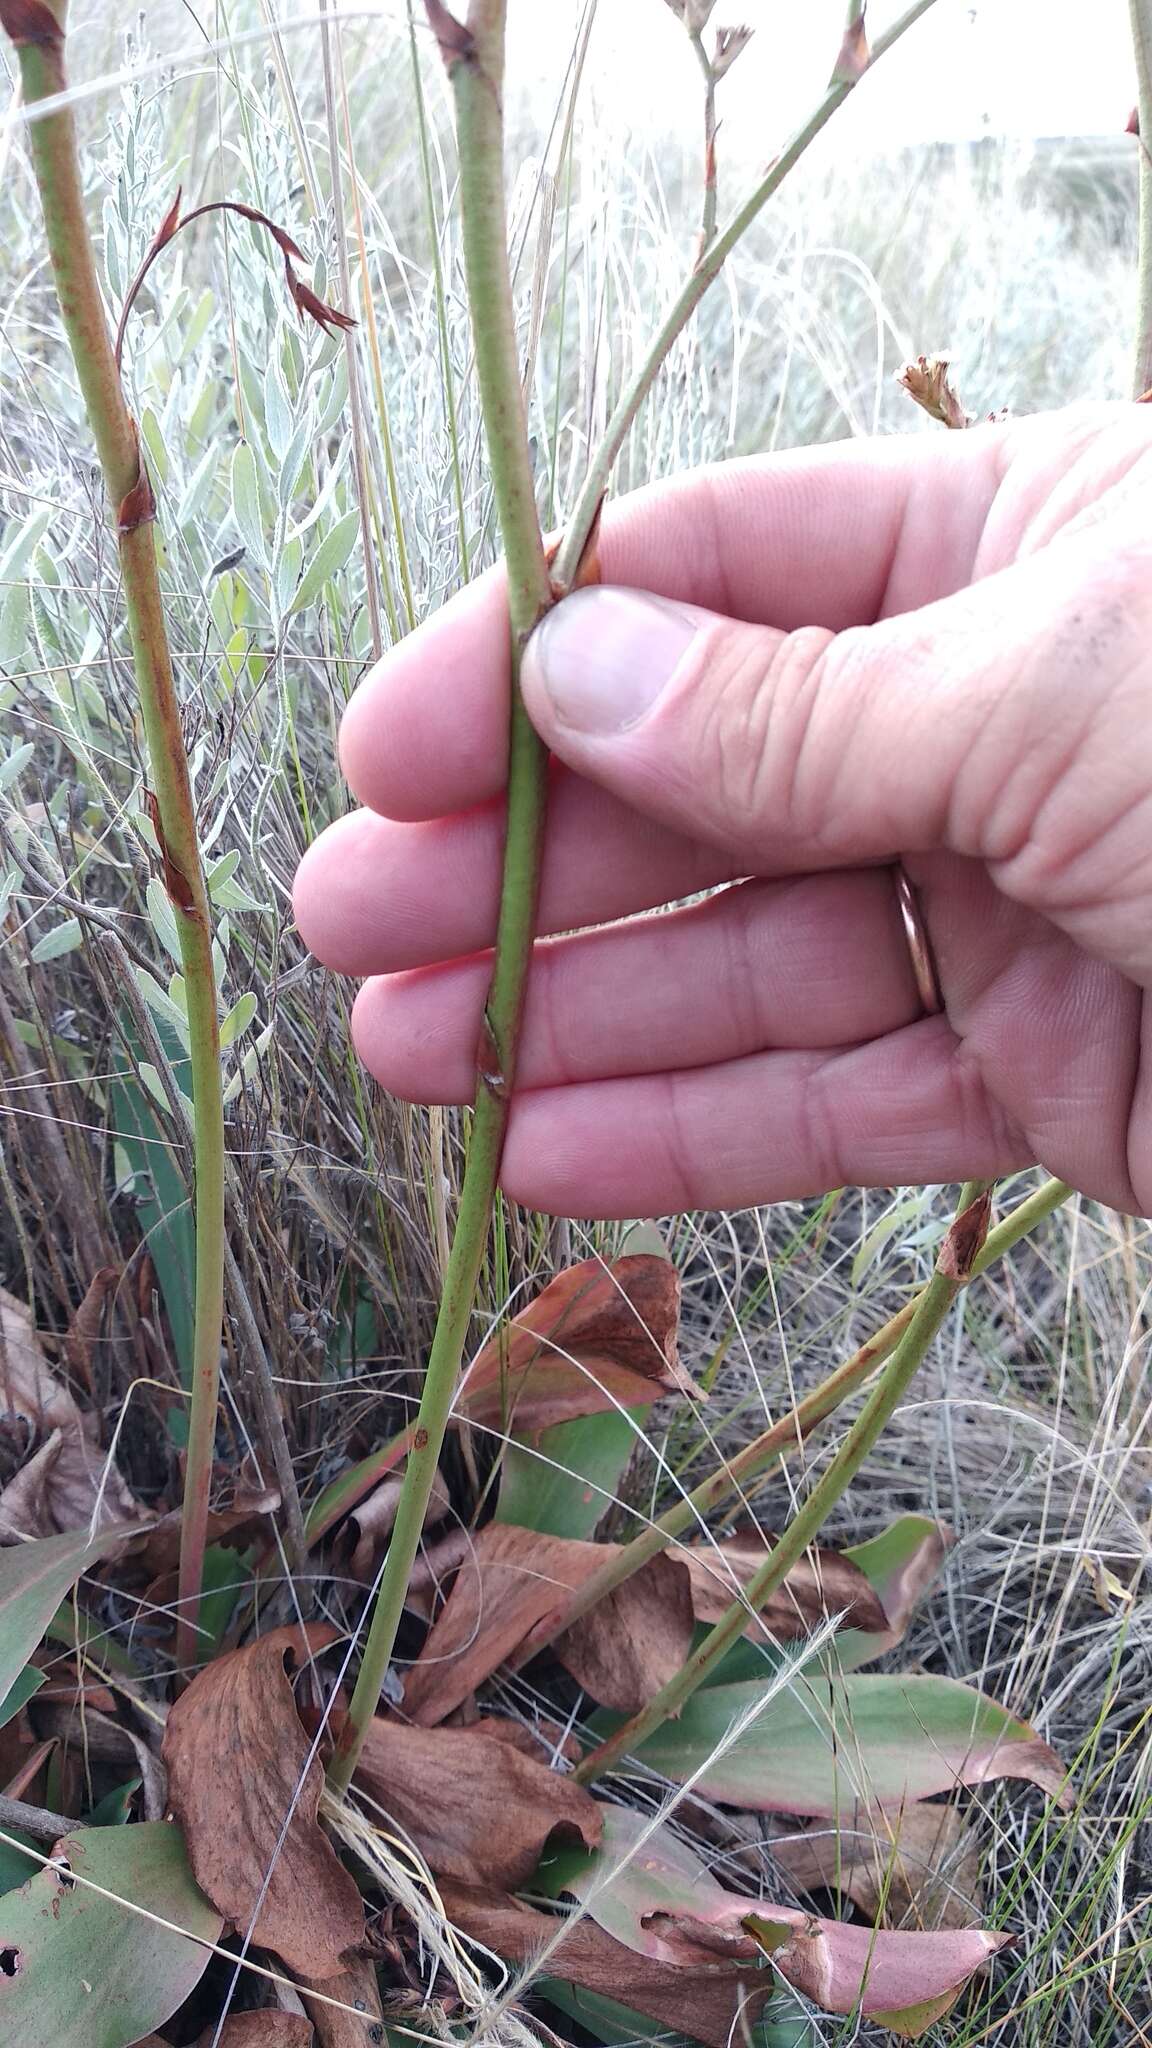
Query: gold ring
x=919 y=946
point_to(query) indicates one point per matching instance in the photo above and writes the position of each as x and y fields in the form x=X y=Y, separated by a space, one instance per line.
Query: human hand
x=932 y=650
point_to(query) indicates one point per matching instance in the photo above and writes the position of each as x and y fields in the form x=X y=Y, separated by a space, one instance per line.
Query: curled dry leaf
x=918 y=1867
x=84 y=1330
x=822 y=1583
x=479 y=1811
x=73 y=1483
x=710 y=2004
x=265 y=2029
x=513 y=1581
x=236 y=1754
x=507 y=1593
x=156 y=1552
x=369 y=1527
x=597 y=1337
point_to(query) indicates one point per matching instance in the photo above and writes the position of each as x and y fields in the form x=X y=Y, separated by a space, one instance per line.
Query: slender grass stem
x=692 y=291
x=1141 y=11
x=954 y=1268
x=39 y=34
x=476 y=64
x=729 y=1481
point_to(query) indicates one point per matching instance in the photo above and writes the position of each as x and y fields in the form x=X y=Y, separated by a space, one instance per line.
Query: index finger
x=818 y=537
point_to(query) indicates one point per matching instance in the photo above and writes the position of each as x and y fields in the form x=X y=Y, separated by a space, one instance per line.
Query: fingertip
x=315 y=904
x=425 y=732
x=406 y=1029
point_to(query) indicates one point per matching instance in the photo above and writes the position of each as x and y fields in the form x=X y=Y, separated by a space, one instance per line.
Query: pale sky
x=1020 y=67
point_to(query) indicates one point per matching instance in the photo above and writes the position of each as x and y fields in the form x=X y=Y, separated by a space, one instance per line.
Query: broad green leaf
x=196 y=488
x=327 y=562
x=823 y=1745
x=567 y=1488
x=90 y=1971
x=24 y=543
x=34 y=1577
x=20 y=1692
x=63 y=938
x=17 y=760
x=246 y=502
x=162 y=917
x=288 y=574
x=239 y=1018
x=15 y=623
x=222 y=870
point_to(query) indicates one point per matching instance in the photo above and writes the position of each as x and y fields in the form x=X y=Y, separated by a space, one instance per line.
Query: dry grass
x=1029 y=1433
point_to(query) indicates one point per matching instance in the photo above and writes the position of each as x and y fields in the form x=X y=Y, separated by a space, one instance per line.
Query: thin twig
x=38 y=32
x=1141 y=11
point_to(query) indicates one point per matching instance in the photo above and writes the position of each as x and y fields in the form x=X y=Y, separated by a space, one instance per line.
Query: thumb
x=1008 y=722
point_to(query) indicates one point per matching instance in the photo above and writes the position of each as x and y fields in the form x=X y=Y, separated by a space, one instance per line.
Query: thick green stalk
x=680 y=312
x=954 y=1268
x=1142 y=44
x=729 y=1480
x=38 y=32
x=475 y=58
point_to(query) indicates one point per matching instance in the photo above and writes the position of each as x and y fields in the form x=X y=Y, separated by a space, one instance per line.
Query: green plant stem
x=729 y=1480
x=52 y=141
x=954 y=1268
x=477 y=80
x=708 y=201
x=1141 y=11
x=680 y=312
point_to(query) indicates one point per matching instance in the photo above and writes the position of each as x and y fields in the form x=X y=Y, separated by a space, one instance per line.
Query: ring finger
x=807 y=963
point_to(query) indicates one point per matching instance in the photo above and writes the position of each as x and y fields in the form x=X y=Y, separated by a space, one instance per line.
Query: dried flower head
x=926 y=381
x=729 y=44
x=695 y=14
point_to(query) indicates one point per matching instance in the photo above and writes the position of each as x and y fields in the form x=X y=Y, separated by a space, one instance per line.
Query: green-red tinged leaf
x=89 y=1971
x=650 y=1892
x=915 y=2020
x=34 y=1578
x=781 y=2024
x=564 y=1486
x=826 y=1745
x=901 y=1565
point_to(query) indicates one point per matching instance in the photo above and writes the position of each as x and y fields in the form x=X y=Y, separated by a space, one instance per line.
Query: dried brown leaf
x=453 y=39
x=337 y=2029
x=84 y=1330
x=919 y=1867
x=236 y=1753
x=513 y=1581
x=479 y=1811
x=597 y=1337
x=265 y=2029
x=822 y=1583
x=711 y=2004
x=69 y=1479
x=507 y=1594
x=369 y=1526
